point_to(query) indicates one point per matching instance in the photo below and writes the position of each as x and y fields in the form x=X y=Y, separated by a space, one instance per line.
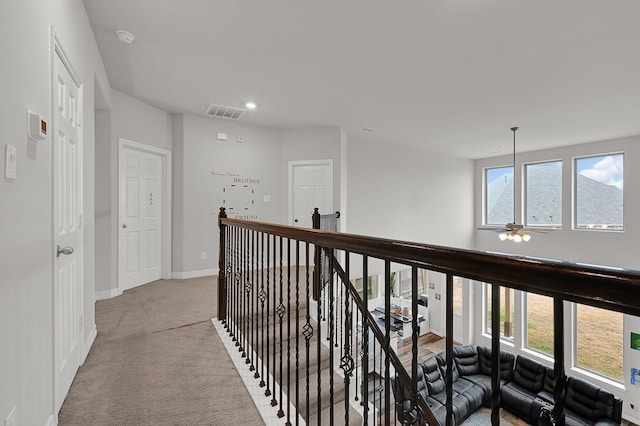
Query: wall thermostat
x=37 y=126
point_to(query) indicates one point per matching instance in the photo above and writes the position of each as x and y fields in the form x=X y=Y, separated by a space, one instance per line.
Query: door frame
x=294 y=163
x=57 y=50
x=166 y=207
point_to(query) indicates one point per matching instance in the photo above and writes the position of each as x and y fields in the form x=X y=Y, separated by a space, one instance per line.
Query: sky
x=605 y=169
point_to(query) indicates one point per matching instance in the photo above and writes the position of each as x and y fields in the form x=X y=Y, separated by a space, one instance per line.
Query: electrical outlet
x=203 y=255
x=10 y=420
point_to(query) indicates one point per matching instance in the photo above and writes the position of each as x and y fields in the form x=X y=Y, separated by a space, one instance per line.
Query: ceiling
x=447 y=75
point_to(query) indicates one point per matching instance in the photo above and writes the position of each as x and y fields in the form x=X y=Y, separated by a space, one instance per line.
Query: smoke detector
x=125 y=36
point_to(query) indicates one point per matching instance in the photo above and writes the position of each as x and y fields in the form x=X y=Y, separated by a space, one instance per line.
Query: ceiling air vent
x=222 y=111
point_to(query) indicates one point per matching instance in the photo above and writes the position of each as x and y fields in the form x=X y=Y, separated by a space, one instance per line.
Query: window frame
x=525 y=194
x=574 y=195
x=485 y=194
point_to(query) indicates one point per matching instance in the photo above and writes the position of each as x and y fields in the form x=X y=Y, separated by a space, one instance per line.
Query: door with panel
x=311 y=186
x=141 y=217
x=67 y=222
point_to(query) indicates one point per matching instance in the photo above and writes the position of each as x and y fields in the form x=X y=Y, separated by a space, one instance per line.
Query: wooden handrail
x=609 y=288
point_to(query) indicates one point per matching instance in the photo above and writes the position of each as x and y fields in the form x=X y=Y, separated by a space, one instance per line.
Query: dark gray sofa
x=526 y=388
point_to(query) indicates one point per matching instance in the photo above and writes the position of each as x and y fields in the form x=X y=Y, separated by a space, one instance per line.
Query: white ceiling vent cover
x=222 y=111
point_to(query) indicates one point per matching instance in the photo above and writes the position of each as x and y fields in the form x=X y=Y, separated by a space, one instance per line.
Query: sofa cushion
x=466 y=359
x=588 y=400
x=529 y=374
x=433 y=379
x=517 y=400
x=506 y=363
x=442 y=362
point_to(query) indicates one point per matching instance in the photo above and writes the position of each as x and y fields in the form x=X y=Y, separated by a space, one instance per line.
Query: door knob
x=124 y=225
x=66 y=251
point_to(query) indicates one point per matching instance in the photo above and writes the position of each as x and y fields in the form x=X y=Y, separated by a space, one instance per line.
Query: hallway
x=157 y=360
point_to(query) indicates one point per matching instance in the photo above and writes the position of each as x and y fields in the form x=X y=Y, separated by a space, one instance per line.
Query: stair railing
x=263 y=291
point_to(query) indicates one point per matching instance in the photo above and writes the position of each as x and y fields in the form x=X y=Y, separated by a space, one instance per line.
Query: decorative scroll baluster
x=281 y=312
x=307 y=330
x=232 y=290
x=242 y=292
x=346 y=362
x=358 y=353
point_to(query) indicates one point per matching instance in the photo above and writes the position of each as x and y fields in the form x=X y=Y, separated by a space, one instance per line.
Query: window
x=599 y=341
x=404 y=278
x=499 y=196
x=457 y=296
x=599 y=192
x=507 y=312
x=372 y=286
x=539 y=331
x=544 y=194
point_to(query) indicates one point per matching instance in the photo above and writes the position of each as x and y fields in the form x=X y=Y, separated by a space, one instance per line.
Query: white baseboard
x=89 y=343
x=51 y=421
x=107 y=294
x=194 y=274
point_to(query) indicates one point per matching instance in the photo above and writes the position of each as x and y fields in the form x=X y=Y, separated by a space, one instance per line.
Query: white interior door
x=67 y=217
x=141 y=217
x=311 y=186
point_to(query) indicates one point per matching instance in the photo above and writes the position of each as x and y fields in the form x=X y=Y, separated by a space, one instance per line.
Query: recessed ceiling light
x=251 y=105
x=125 y=36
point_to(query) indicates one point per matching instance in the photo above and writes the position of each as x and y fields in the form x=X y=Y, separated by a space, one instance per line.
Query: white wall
x=618 y=249
x=409 y=194
x=312 y=144
x=26 y=251
x=204 y=170
x=130 y=119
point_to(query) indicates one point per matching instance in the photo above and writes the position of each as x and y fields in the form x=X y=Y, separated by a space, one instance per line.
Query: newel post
x=317 y=286
x=222 y=270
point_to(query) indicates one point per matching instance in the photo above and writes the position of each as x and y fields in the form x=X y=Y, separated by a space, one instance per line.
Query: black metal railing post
x=317 y=285
x=558 y=368
x=222 y=275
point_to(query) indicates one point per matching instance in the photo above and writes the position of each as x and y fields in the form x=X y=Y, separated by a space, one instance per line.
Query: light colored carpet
x=158 y=360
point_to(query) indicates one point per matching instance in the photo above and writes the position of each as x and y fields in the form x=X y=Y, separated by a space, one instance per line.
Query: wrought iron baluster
x=387 y=337
x=267 y=296
x=319 y=344
x=281 y=312
x=307 y=330
x=288 y=331
x=495 y=354
x=274 y=401
x=261 y=297
x=346 y=362
x=331 y=338
x=234 y=320
x=365 y=339
x=297 y=331
x=242 y=293
x=449 y=343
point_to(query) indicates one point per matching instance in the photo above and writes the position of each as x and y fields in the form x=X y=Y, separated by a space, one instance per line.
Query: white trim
x=268 y=413
x=107 y=294
x=88 y=344
x=194 y=274
x=51 y=421
x=167 y=203
x=292 y=164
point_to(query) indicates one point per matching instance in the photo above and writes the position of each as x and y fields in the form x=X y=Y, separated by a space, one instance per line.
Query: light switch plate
x=10 y=161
